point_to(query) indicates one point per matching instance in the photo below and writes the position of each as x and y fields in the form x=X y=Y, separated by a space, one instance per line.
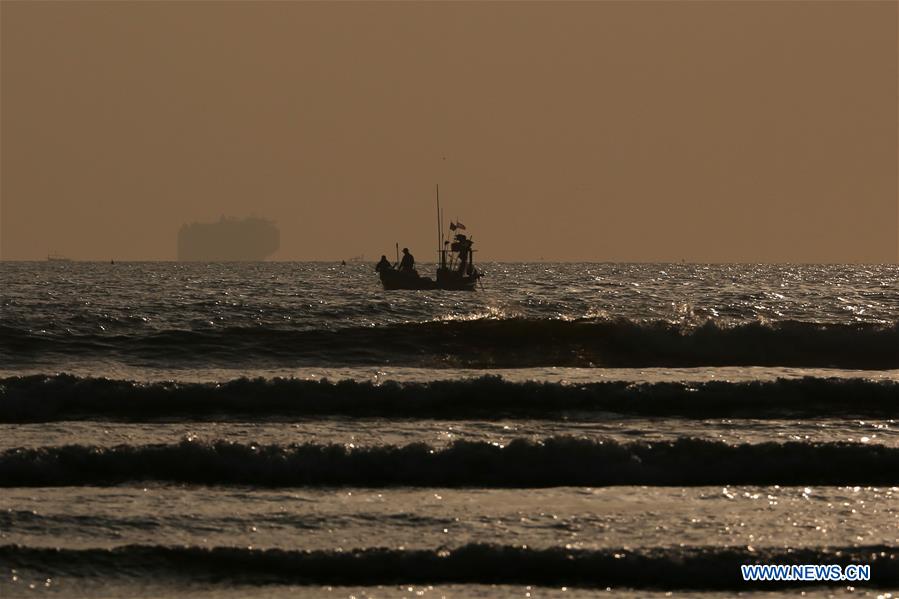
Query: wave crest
x=676 y=567
x=488 y=343
x=555 y=461
x=39 y=398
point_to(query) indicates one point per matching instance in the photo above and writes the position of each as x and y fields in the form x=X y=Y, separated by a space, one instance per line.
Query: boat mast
x=440 y=257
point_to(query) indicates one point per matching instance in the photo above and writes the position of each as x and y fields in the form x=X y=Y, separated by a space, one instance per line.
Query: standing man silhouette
x=407 y=264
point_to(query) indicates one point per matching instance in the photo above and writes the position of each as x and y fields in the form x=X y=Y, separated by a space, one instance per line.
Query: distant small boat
x=56 y=257
x=455 y=270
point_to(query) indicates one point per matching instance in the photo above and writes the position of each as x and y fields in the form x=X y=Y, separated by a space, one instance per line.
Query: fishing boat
x=455 y=263
x=57 y=257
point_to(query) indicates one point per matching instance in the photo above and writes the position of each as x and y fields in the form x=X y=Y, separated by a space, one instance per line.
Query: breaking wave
x=486 y=343
x=41 y=398
x=676 y=567
x=555 y=461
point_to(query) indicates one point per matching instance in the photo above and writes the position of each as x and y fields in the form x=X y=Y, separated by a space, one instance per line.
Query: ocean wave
x=555 y=461
x=486 y=343
x=675 y=567
x=42 y=398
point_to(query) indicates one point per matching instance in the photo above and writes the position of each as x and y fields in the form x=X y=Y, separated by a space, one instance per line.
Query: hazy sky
x=706 y=131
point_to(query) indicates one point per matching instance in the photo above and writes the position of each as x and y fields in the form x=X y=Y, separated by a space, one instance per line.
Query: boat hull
x=394 y=280
x=448 y=281
x=452 y=280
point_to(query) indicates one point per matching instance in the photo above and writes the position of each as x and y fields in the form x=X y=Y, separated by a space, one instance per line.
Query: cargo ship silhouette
x=229 y=239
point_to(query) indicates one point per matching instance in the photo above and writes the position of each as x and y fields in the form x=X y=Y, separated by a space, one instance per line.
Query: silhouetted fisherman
x=407 y=264
x=383 y=265
x=462 y=245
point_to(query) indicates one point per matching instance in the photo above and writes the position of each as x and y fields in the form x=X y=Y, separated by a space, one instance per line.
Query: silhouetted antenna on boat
x=441 y=243
x=439 y=225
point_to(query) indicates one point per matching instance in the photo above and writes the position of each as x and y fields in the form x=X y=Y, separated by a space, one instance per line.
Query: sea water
x=276 y=429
